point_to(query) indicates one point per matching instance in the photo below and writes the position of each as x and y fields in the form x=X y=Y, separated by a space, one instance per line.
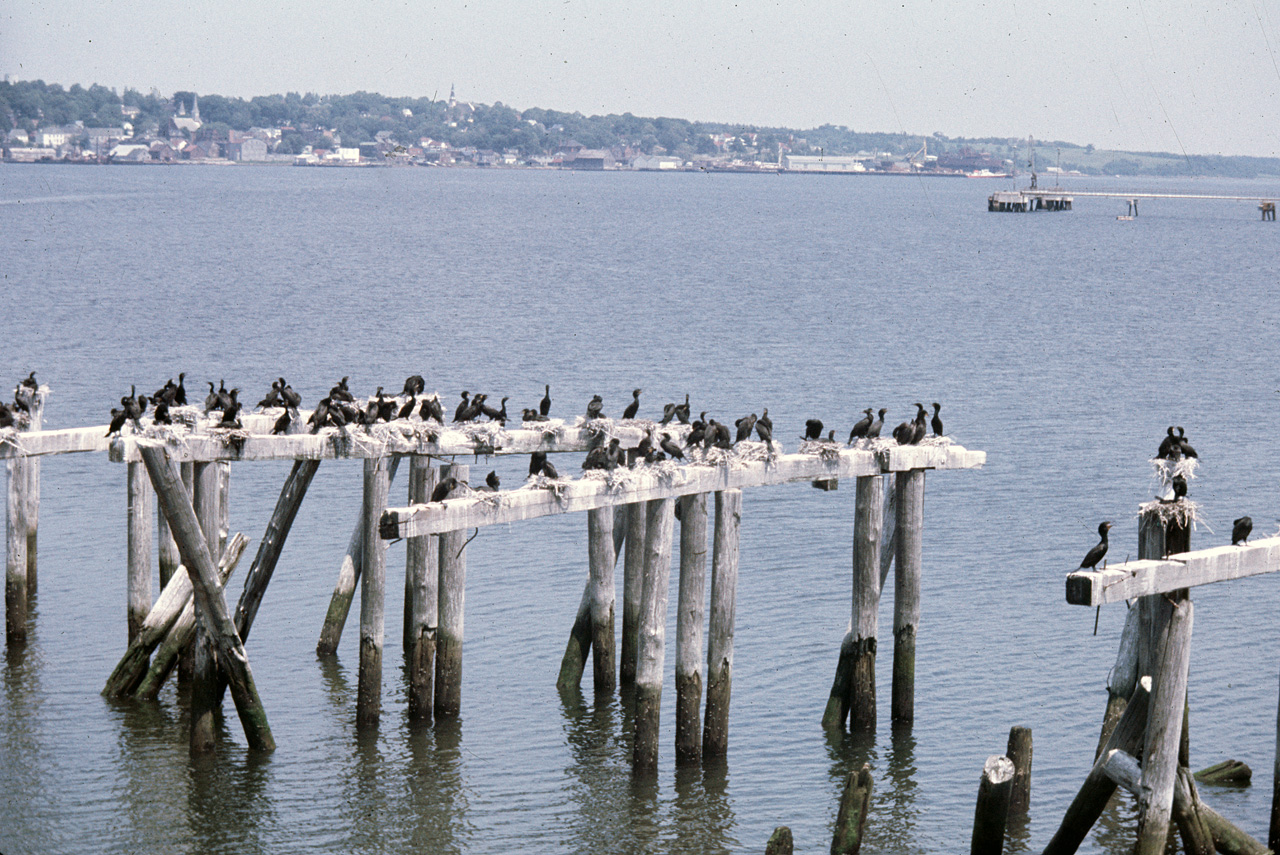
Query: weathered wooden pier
x=631 y=513
x=1058 y=199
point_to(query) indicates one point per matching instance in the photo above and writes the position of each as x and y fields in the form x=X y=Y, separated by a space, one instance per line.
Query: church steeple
x=452 y=100
x=195 y=106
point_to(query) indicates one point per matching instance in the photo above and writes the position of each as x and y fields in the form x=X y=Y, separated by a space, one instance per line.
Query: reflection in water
x=152 y=756
x=1116 y=831
x=437 y=802
x=21 y=779
x=600 y=775
x=228 y=803
x=704 y=819
x=1017 y=834
x=365 y=802
x=898 y=799
x=336 y=685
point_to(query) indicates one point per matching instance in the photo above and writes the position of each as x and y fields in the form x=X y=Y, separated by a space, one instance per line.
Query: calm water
x=1062 y=344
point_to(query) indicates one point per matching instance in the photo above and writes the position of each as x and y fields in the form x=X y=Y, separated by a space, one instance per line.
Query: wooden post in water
x=373 y=585
x=632 y=585
x=868 y=515
x=780 y=842
x=724 y=587
x=32 y=465
x=1019 y=752
x=139 y=548
x=906 y=593
x=206 y=497
x=422 y=585
x=1160 y=759
x=166 y=548
x=600 y=546
x=224 y=503
x=213 y=610
x=851 y=819
x=452 y=594
x=15 y=578
x=574 y=660
x=345 y=589
x=689 y=617
x=888 y=528
x=991 y=815
x=186 y=657
x=653 y=629
x=1124 y=676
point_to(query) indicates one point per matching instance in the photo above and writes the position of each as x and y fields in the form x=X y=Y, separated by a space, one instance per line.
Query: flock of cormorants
x=24 y=398
x=1173 y=447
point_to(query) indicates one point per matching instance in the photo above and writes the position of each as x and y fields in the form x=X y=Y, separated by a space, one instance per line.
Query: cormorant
x=319 y=415
x=536 y=462
x=723 y=438
x=473 y=410
x=1240 y=530
x=936 y=422
x=1179 y=488
x=1093 y=556
x=764 y=417
x=341 y=392
x=118 y=418
x=696 y=435
x=1187 y=450
x=290 y=397
x=597 y=458
x=462 y=407
x=494 y=414
x=668 y=413
x=1170 y=448
x=386 y=407
x=873 y=432
x=544 y=406
x=24 y=397
x=654 y=456
x=161 y=414
x=180 y=395
x=682 y=410
x=595 y=408
x=134 y=406
x=813 y=429
x=745 y=425
x=282 y=424
x=549 y=470
x=407 y=409
x=673 y=451
x=614 y=454
x=765 y=432
x=431 y=409
x=634 y=406
x=30 y=381
x=212 y=401
x=224 y=397
x=861 y=426
x=230 y=416
x=919 y=429
x=443 y=489
x=165 y=393
x=709 y=434
x=645 y=446
x=491 y=480
x=6 y=417
x=414 y=385
x=272 y=398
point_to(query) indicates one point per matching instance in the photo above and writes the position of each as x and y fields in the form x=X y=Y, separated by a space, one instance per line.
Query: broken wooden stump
x=780 y=842
x=851 y=819
x=991 y=814
x=1019 y=752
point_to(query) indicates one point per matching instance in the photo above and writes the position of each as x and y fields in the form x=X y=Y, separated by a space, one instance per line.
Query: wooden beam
x=597 y=489
x=1186 y=570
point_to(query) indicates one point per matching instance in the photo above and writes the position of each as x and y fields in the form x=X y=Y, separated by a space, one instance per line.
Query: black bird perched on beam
x=745 y=425
x=282 y=424
x=673 y=451
x=765 y=432
x=443 y=489
x=544 y=406
x=407 y=409
x=118 y=418
x=160 y=415
x=873 y=432
x=1093 y=556
x=134 y=406
x=1187 y=450
x=1240 y=530
x=919 y=429
x=1179 y=488
x=861 y=426
x=634 y=406
x=936 y=422
x=813 y=429
x=290 y=397
x=30 y=382
x=668 y=413
x=462 y=407
x=415 y=384
x=696 y=435
x=341 y=392
x=319 y=416
x=1170 y=448
x=6 y=417
x=212 y=401
x=597 y=458
x=491 y=480
x=595 y=408
x=549 y=470
x=272 y=398
x=536 y=462
x=431 y=409
x=682 y=410
x=224 y=397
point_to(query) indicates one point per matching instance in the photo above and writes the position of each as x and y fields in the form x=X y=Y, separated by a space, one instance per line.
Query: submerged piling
x=138 y=586
x=452 y=595
x=689 y=617
x=652 y=635
x=906 y=592
x=422 y=584
x=373 y=585
x=632 y=585
x=206 y=497
x=601 y=559
x=724 y=586
x=15 y=579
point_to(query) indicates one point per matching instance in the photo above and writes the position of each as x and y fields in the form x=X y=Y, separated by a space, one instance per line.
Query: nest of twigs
x=1184 y=513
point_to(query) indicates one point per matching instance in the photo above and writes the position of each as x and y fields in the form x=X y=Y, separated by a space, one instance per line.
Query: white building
x=819 y=163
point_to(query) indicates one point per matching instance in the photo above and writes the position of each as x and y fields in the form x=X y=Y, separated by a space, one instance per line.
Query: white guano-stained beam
x=1185 y=570
x=598 y=489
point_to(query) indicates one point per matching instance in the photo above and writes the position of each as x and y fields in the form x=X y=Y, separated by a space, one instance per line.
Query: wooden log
x=180 y=634
x=632 y=586
x=1123 y=769
x=851 y=819
x=139 y=548
x=372 y=596
x=345 y=589
x=1124 y=676
x=1227 y=772
x=601 y=558
x=1019 y=753
x=574 y=661
x=595 y=490
x=206 y=497
x=906 y=593
x=422 y=581
x=15 y=578
x=690 y=609
x=1098 y=787
x=724 y=586
x=653 y=627
x=837 y=710
x=1160 y=757
x=452 y=594
x=1197 y=838
x=991 y=814
x=780 y=842
x=213 y=610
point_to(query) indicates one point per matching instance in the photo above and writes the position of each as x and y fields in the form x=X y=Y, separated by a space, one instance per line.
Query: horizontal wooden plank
x=43 y=442
x=666 y=480
x=1185 y=570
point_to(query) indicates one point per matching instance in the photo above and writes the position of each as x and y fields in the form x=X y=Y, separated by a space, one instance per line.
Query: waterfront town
x=183 y=136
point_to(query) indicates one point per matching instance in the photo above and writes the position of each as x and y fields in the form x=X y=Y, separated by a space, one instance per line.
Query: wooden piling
x=32 y=467
x=632 y=585
x=1160 y=757
x=206 y=497
x=574 y=660
x=166 y=480
x=1098 y=787
x=139 y=548
x=991 y=814
x=345 y=589
x=167 y=549
x=15 y=579
x=1197 y=838
x=851 y=819
x=689 y=618
x=724 y=586
x=652 y=636
x=1232 y=773
x=906 y=592
x=888 y=528
x=452 y=595
x=867 y=518
x=780 y=842
x=422 y=581
x=601 y=559
x=1273 y=832
x=177 y=640
x=1124 y=675
x=373 y=585
x=1019 y=753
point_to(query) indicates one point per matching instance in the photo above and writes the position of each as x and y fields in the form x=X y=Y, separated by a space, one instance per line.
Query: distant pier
x=1058 y=199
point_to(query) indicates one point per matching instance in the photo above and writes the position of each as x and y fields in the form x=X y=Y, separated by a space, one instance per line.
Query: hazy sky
x=1164 y=75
